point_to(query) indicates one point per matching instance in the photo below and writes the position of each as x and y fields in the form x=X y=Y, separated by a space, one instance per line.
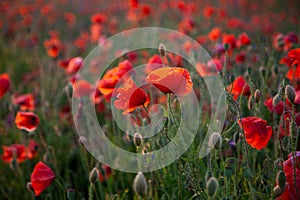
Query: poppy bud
x=231 y=78
x=212 y=186
x=275 y=69
x=249 y=70
x=215 y=140
x=137 y=140
x=281 y=179
x=46 y=157
x=277 y=191
x=140 y=184
x=94 y=175
x=29 y=187
x=13 y=164
x=263 y=72
x=257 y=95
x=290 y=93
x=162 y=49
x=276 y=100
x=226 y=46
x=71 y=194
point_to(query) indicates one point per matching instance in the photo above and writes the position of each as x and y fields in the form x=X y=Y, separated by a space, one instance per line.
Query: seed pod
x=290 y=93
x=281 y=179
x=94 y=177
x=276 y=99
x=212 y=186
x=137 y=139
x=277 y=191
x=140 y=184
x=257 y=95
x=162 y=49
x=215 y=140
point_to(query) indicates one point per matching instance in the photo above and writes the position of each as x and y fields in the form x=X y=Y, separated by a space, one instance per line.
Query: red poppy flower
x=53 y=47
x=288 y=167
x=243 y=39
x=31 y=150
x=238 y=87
x=74 y=65
x=174 y=80
x=130 y=97
x=25 y=101
x=41 y=177
x=154 y=62
x=230 y=40
x=27 y=121
x=17 y=151
x=4 y=84
x=256 y=131
x=210 y=69
x=82 y=88
x=104 y=173
x=214 y=34
x=277 y=109
x=111 y=78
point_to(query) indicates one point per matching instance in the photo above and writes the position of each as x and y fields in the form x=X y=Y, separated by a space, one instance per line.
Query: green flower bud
x=140 y=184
x=212 y=186
x=281 y=179
x=290 y=93
x=137 y=139
x=276 y=99
x=94 y=177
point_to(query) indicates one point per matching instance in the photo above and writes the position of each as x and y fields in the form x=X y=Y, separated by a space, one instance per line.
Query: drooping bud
x=162 y=49
x=140 y=184
x=290 y=93
x=276 y=99
x=277 y=191
x=281 y=179
x=212 y=186
x=257 y=95
x=231 y=78
x=29 y=187
x=215 y=140
x=94 y=176
x=137 y=139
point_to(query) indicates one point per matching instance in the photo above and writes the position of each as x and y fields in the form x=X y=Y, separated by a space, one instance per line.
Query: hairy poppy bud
x=231 y=78
x=257 y=95
x=281 y=179
x=137 y=139
x=212 y=186
x=290 y=93
x=94 y=177
x=276 y=100
x=226 y=46
x=162 y=49
x=263 y=72
x=140 y=184
x=275 y=69
x=29 y=187
x=277 y=191
x=215 y=140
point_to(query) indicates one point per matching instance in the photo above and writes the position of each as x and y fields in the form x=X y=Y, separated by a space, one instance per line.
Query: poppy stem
x=172 y=117
x=91 y=191
x=59 y=184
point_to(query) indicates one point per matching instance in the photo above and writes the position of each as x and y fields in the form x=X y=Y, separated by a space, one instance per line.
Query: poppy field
x=150 y=99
